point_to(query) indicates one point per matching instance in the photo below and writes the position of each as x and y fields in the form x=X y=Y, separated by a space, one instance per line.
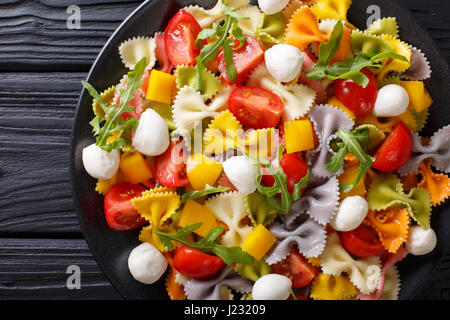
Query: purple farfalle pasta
x=438 y=150
x=327 y=120
x=319 y=200
x=420 y=67
x=210 y=289
x=307 y=234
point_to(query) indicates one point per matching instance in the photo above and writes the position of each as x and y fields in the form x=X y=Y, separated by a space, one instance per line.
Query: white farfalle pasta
x=363 y=273
x=230 y=209
x=133 y=50
x=252 y=18
x=392 y=285
x=298 y=99
x=190 y=107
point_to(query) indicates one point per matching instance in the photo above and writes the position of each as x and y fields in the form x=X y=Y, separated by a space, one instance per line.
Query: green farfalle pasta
x=365 y=43
x=165 y=111
x=258 y=210
x=387 y=191
x=253 y=271
x=187 y=76
x=376 y=136
x=272 y=28
x=387 y=26
x=389 y=80
x=420 y=117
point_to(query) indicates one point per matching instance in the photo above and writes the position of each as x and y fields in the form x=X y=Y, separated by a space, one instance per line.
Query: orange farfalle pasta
x=303 y=29
x=174 y=290
x=437 y=184
x=392 y=226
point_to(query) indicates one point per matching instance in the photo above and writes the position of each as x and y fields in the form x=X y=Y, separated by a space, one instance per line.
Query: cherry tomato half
x=246 y=58
x=194 y=263
x=361 y=242
x=119 y=212
x=359 y=100
x=255 y=108
x=395 y=150
x=179 y=39
x=293 y=166
x=296 y=268
x=170 y=167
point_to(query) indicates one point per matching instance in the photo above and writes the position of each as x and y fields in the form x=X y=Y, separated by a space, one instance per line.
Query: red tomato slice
x=395 y=150
x=296 y=268
x=247 y=58
x=361 y=242
x=359 y=100
x=179 y=39
x=255 y=108
x=170 y=167
x=293 y=166
x=119 y=212
x=194 y=263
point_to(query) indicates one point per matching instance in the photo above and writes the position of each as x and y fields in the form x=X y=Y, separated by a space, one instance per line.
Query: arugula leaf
x=224 y=41
x=350 y=69
x=354 y=142
x=208 y=244
x=201 y=193
x=114 y=126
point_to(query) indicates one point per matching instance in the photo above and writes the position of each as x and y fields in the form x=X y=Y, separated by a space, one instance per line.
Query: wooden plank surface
x=42 y=63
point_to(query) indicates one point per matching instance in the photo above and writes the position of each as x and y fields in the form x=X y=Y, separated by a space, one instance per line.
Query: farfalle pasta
x=246 y=147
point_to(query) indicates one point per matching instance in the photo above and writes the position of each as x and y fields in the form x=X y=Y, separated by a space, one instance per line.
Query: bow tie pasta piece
x=271 y=29
x=175 y=290
x=392 y=285
x=297 y=99
x=186 y=76
x=217 y=288
x=387 y=191
x=134 y=49
x=437 y=150
x=386 y=125
x=107 y=98
x=388 y=26
x=291 y=8
x=308 y=235
x=392 y=228
x=253 y=271
x=258 y=210
x=253 y=20
x=230 y=209
x=420 y=66
x=206 y=17
x=303 y=29
x=329 y=287
x=364 y=43
x=395 y=65
x=319 y=200
x=363 y=273
x=437 y=184
x=332 y=9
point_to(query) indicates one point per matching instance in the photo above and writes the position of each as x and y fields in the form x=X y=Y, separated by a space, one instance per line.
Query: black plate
x=111 y=248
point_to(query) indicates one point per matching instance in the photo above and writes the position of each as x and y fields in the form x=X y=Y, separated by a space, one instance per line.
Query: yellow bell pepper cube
x=347 y=177
x=338 y=104
x=202 y=170
x=419 y=98
x=160 y=87
x=194 y=212
x=258 y=242
x=135 y=167
x=299 y=135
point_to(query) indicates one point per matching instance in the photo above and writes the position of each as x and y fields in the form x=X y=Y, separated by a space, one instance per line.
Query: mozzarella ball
x=146 y=263
x=284 y=62
x=392 y=101
x=152 y=135
x=421 y=241
x=272 y=6
x=272 y=287
x=351 y=213
x=99 y=163
x=242 y=173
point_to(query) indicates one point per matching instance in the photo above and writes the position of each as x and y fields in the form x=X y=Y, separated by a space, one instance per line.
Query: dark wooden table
x=42 y=63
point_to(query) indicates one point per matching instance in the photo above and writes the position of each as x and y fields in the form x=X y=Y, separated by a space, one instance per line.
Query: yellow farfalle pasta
x=329 y=287
x=332 y=9
x=395 y=65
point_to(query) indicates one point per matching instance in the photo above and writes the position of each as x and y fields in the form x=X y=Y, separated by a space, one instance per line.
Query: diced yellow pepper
x=160 y=87
x=299 y=135
x=202 y=170
x=347 y=177
x=135 y=167
x=419 y=98
x=194 y=212
x=258 y=242
x=336 y=103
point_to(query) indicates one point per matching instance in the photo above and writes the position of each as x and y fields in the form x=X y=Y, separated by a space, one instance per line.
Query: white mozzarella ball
x=284 y=62
x=272 y=287
x=146 y=263
x=99 y=163
x=242 y=173
x=272 y=6
x=392 y=101
x=351 y=213
x=152 y=135
x=421 y=241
